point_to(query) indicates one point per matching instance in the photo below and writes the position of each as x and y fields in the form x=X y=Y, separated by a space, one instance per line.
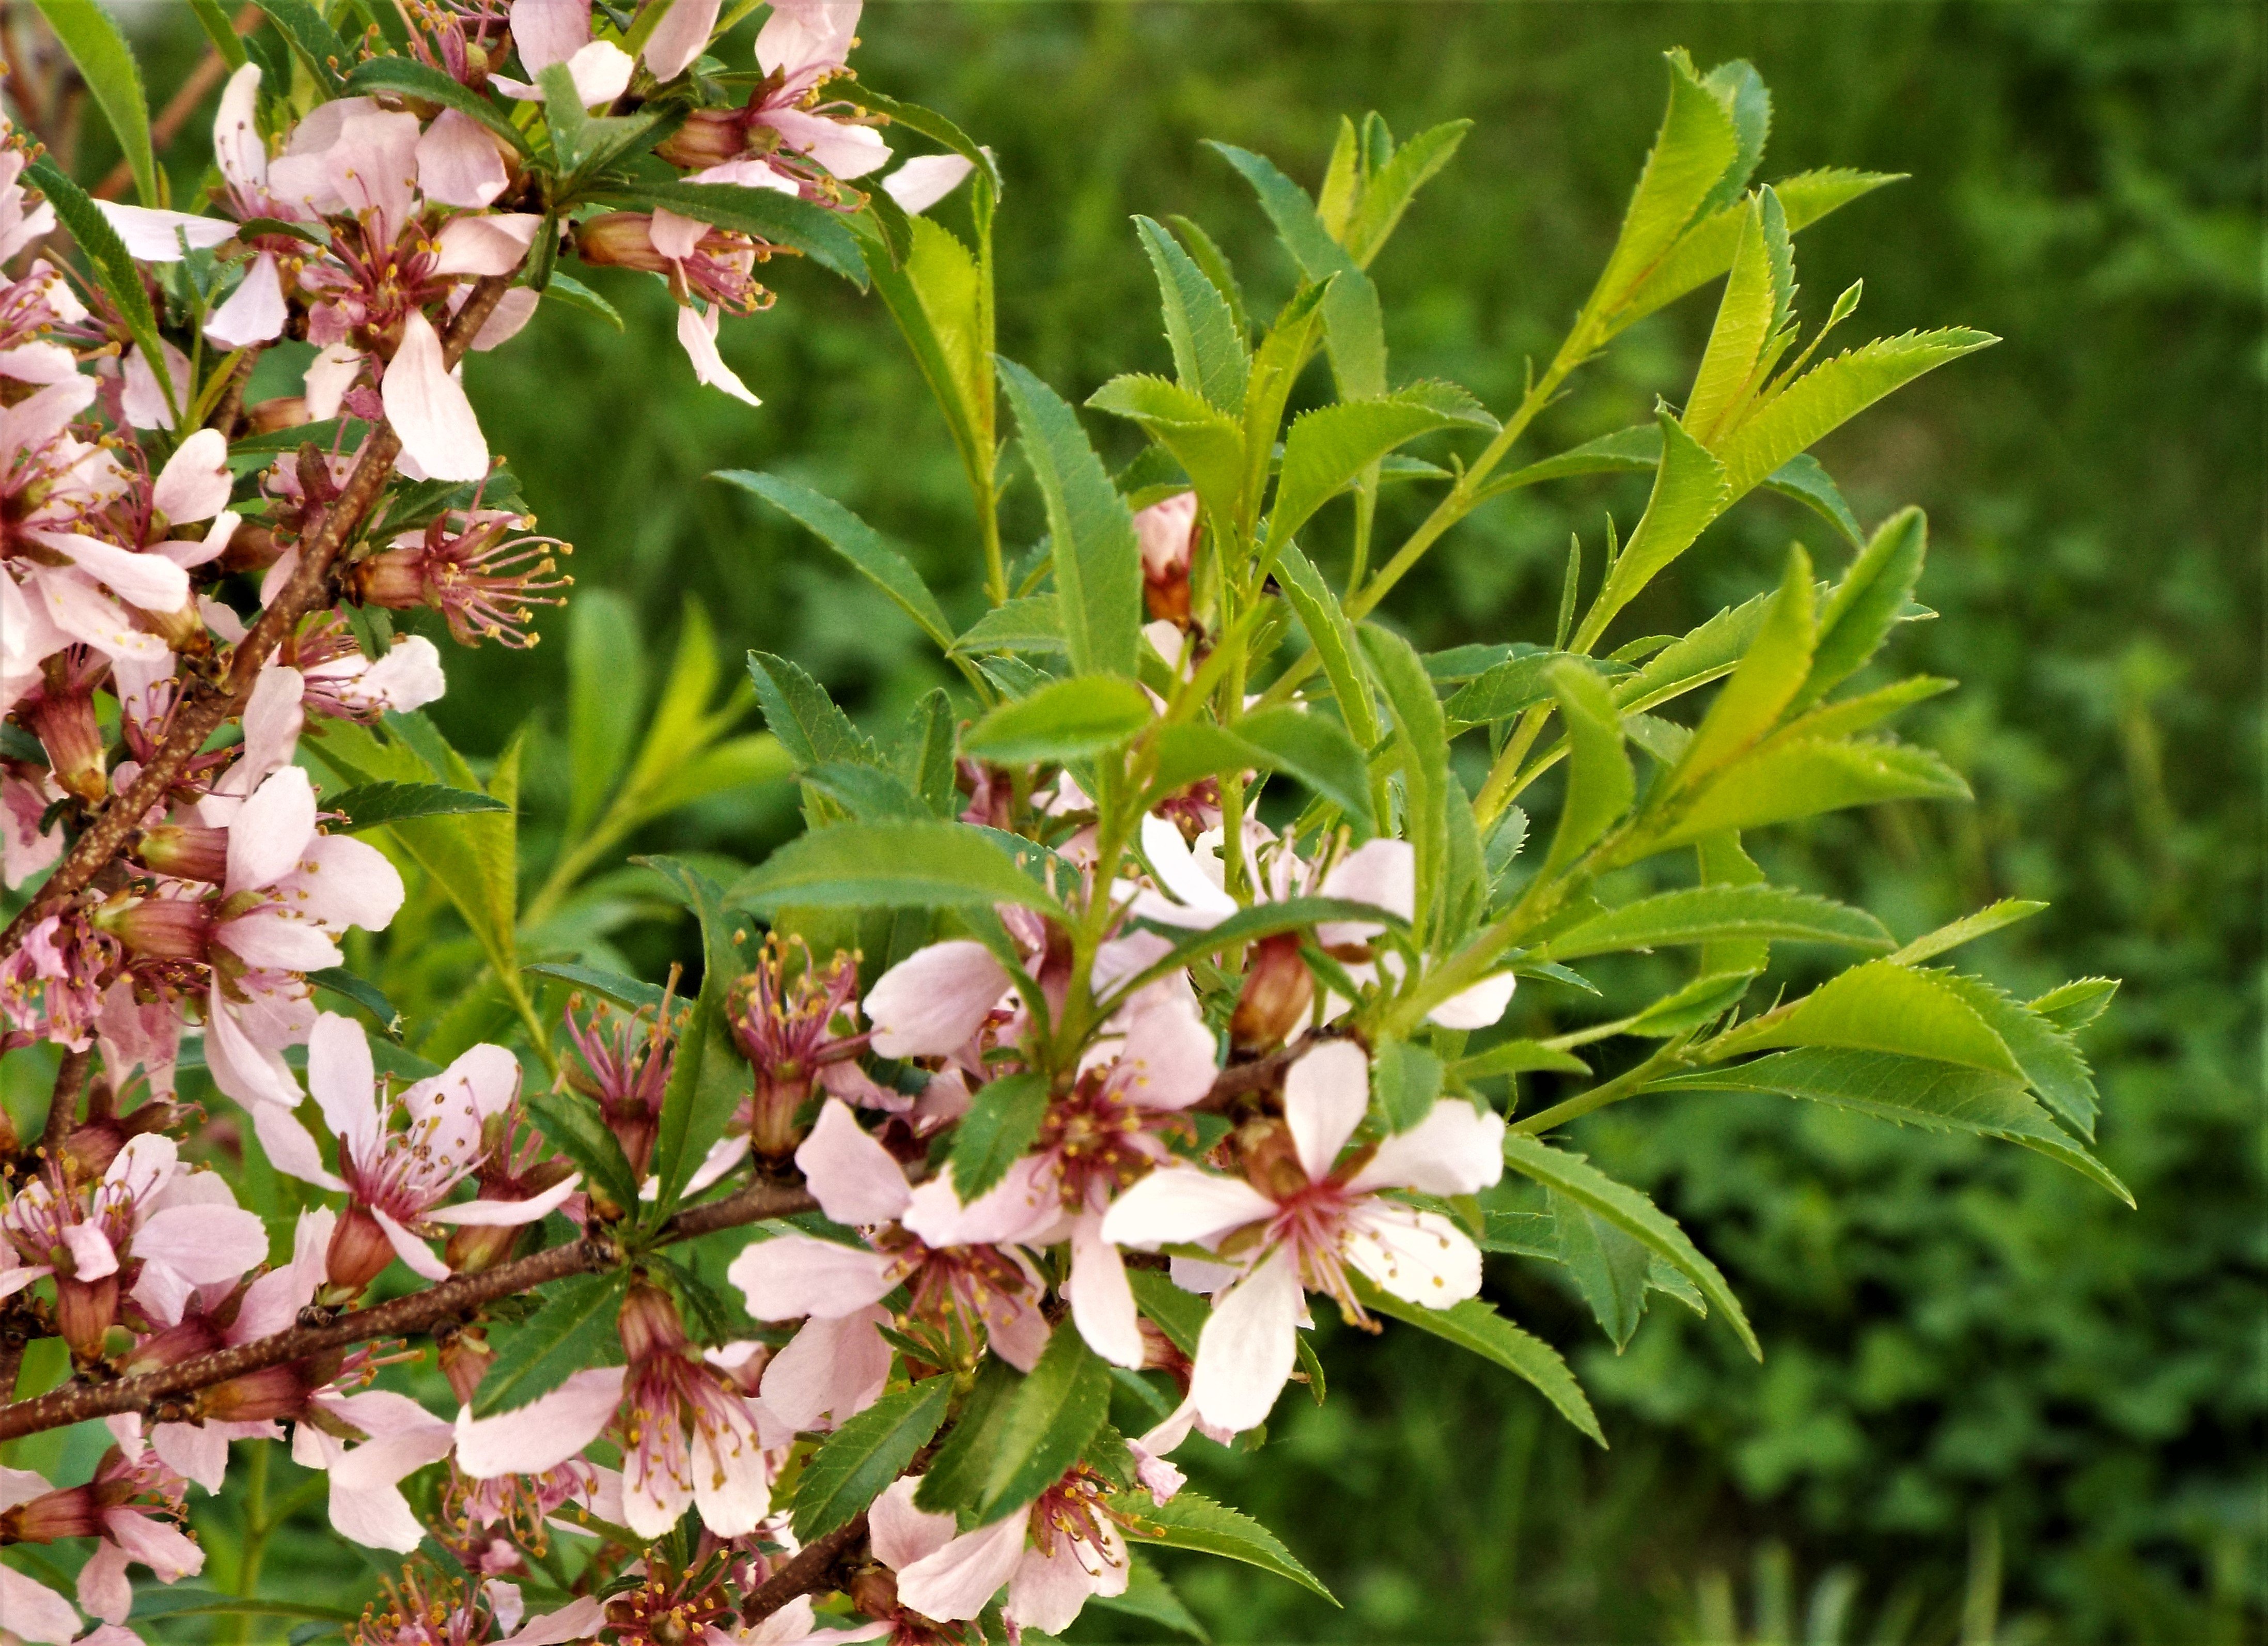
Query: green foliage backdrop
x=1969 y=1350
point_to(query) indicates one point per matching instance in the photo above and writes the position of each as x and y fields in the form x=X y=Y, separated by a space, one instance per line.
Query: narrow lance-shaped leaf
x=1332 y=636
x=1628 y=1209
x=1207 y=344
x=1003 y=1116
x=851 y=1469
x=1425 y=767
x=1804 y=777
x=1045 y=1425
x=1696 y=144
x=856 y=541
x=606 y=692
x=1068 y=720
x=1352 y=329
x=1864 y=605
x=1097 y=564
x=1599 y=782
x=898 y=865
x=1191 y=1520
x=1392 y=187
x=1764 y=683
x=1476 y=1327
x=1328 y=448
x=368 y=805
x=1746 y=319
x=1711 y=914
x=105 y=62
x=1689 y=491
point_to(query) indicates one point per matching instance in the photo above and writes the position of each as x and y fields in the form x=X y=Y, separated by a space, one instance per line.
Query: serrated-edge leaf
x=1803 y=777
x=2072 y=1005
x=1474 y=1325
x=1993 y=918
x=1634 y=1212
x=860 y=1459
x=631 y=993
x=544 y=1343
x=1333 y=637
x=430 y=84
x=1832 y=393
x=578 y=1132
x=1069 y=720
x=857 y=543
x=1047 y=1424
x=1691 y=489
x=2048 y=1055
x=900 y=865
x=1191 y=1520
x=1031 y=624
x=1264 y=919
x=107 y=65
x=1705 y=914
x=1883 y=1006
x=364 y=993
x=1097 y=563
x=1004 y=1116
x=1208 y=350
x=1599 y=783
x=369 y=805
x=1697 y=143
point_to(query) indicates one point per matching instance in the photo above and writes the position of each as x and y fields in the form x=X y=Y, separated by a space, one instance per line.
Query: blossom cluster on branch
x=1022 y=1110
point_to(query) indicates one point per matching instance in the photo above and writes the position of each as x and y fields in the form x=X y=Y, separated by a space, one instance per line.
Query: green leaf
x=1507 y=688
x=1608 y=1266
x=1191 y=1520
x=362 y=992
x=1406 y=1080
x=1152 y=1598
x=777 y=218
x=1912 y=1091
x=1518 y=1057
x=1247 y=925
x=1831 y=394
x=574 y=1329
x=1576 y=1179
x=1332 y=636
x=868 y=794
x=1069 y=720
x=738 y=763
x=213 y=18
x=1741 y=89
x=316 y=41
x=1748 y=320
x=1352 y=329
x=1684 y=665
x=1765 y=682
x=2072 y=1005
x=709 y=1079
x=1476 y=1327
x=1180 y=1315
x=1707 y=998
x=1967 y=929
x=1044 y=1425
x=1003 y=1116
x=1883 y=1006
x=957 y=1474
x=1697 y=142
x=1599 y=783
x=1319 y=753
x=2046 y=1053
x=1097 y=564
x=1691 y=489
x=1029 y=625
x=1208 y=256
x=897 y=866
x=1709 y=914
x=1705 y=250
x=577 y=1130
x=192 y=1603
x=630 y=994
x=854 y=539
x=105 y=62
x=1391 y=188
x=606 y=689
x=1804 y=479
x=931 y=124
x=367 y=805
x=427 y=84
x=1207 y=342
x=115 y=272
x=1327 y=449
x=1864 y=605
x=941 y=300
x=1802 y=777
x=859 y=1460
x=1208 y=445
x=804 y=718
x=1424 y=735
x=566 y=289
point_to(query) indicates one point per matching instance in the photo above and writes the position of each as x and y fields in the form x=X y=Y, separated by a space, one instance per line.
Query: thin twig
x=205 y=707
x=62 y=1107
x=419 y=1312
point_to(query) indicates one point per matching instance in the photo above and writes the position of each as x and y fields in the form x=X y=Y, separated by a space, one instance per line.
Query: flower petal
x=925 y=179
x=428 y=408
x=193 y=485
x=797 y=1274
x=1102 y=1302
x=508 y=1213
x=957 y=1581
x=409 y=1249
x=1245 y=1353
x=930 y=1003
x=205 y=1244
x=255 y=310
x=267 y=838
x=457 y=162
x=679 y=37
x=154 y=236
x=903 y=1534
x=1181 y=1203
x=855 y=1179
x=1420 y=1257
x=544 y=1432
x=1477 y=1007
x=1455 y=1149
x=344 y=1082
x=1326 y=1094
x=830 y=1371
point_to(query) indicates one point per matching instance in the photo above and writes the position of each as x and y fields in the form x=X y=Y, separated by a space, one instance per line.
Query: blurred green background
x=1995 y=1404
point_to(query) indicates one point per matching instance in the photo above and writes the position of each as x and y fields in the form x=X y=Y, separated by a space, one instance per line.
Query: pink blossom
x=427 y=406
x=254 y=312
x=925 y=179
x=370 y=1443
x=680 y=37
x=154 y=236
x=931 y=1003
x=1304 y=1217
x=457 y=162
x=1052 y=1555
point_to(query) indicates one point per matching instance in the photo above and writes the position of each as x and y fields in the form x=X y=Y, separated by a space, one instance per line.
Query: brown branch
x=811 y=1571
x=205 y=706
x=417 y=1313
x=62 y=1107
x=209 y=73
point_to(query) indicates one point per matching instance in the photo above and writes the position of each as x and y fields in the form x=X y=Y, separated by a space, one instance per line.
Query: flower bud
x=650 y=1325
x=271 y=1392
x=782 y=1090
x=358 y=1254
x=194 y=1336
x=64 y=723
x=252 y=547
x=621 y=240
x=285 y=411
x=466 y=1358
x=710 y=136
x=184 y=851
x=158 y=928
x=85 y=1312
x=72 y=1512
x=1166 y=531
x=1278 y=990
x=874 y=1592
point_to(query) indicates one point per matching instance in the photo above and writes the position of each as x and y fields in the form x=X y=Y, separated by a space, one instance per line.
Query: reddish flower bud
x=72 y=1512
x=651 y=1324
x=64 y=721
x=273 y=1392
x=159 y=928
x=466 y=1358
x=85 y=1312
x=710 y=136
x=358 y=1254
x=184 y=851
x=1278 y=990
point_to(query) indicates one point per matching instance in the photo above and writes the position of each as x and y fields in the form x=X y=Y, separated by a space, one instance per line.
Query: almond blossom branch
x=811 y=1571
x=401 y=1317
x=207 y=708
